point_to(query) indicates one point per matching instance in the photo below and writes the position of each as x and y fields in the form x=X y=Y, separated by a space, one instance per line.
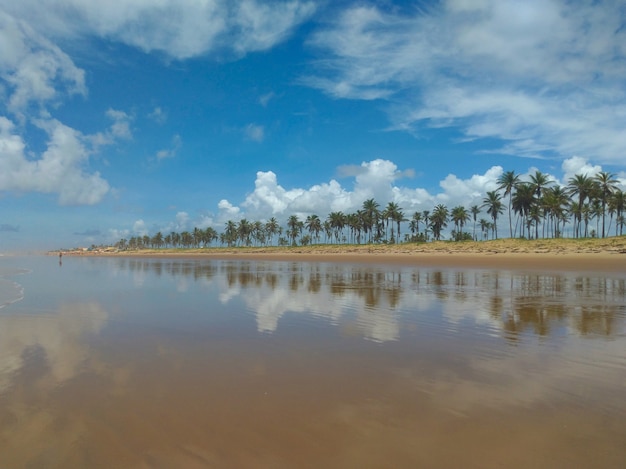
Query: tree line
x=536 y=208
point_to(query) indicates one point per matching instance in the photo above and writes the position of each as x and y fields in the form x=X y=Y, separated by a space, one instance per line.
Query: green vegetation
x=537 y=208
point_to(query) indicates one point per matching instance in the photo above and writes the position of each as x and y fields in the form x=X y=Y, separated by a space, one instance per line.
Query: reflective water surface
x=134 y=363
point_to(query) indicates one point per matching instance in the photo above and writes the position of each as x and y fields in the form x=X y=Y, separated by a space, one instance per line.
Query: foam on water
x=10 y=291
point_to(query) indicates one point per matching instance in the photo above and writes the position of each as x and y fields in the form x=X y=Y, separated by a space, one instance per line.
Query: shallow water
x=194 y=363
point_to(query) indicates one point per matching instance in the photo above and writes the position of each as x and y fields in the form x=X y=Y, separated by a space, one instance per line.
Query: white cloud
x=58 y=170
x=578 y=165
x=227 y=210
x=35 y=70
x=179 y=28
x=115 y=234
x=546 y=78
x=255 y=132
x=139 y=228
x=158 y=115
x=182 y=220
x=121 y=124
x=376 y=179
x=473 y=188
x=119 y=129
x=266 y=98
x=172 y=151
x=62 y=336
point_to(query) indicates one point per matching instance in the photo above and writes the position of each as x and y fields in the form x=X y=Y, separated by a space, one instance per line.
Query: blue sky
x=125 y=118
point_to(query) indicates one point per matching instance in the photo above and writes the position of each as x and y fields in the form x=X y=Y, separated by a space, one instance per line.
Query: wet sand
x=169 y=362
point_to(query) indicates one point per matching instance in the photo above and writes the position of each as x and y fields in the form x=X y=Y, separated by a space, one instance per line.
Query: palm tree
x=258 y=233
x=459 y=216
x=157 y=240
x=295 y=227
x=328 y=231
x=523 y=201
x=474 y=210
x=426 y=218
x=210 y=235
x=555 y=202
x=186 y=239
x=244 y=231
x=337 y=221
x=175 y=238
x=539 y=181
x=230 y=234
x=485 y=226
x=394 y=212
x=314 y=225
x=272 y=228
x=353 y=220
x=606 y=185
x=371 y=215
x=439 y=220
x=197 y=237
x=494 y=208
x=618 y=201
x=399 y=218
x=508 y=181
x=581 y=185
x=415 y=223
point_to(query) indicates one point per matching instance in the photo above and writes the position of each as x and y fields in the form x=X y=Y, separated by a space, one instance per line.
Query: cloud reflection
x=381 y=299
x=59 y=338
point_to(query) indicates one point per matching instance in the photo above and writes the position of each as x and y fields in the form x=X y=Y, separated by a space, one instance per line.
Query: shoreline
x=606 y=255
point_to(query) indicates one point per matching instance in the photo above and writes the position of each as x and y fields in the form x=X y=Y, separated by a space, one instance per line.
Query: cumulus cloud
x=178 y=28
x=475 y=187
x=377 y=179
x=546 y=78
x=578 y=165
x=58 y=170
x=139 y=228
x=227 y=210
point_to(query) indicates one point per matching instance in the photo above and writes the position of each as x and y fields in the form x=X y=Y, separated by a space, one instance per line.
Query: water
x=109 y=362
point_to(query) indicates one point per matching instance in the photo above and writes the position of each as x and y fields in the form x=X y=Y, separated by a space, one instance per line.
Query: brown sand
x=604 y=255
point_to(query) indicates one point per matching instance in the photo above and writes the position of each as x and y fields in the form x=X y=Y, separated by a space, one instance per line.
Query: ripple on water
x=10 y=291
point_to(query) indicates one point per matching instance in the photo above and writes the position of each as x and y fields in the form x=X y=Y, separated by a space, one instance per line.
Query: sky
x=125 y=118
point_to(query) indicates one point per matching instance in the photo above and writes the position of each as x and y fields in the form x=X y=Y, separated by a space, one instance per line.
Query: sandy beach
x=603 y=255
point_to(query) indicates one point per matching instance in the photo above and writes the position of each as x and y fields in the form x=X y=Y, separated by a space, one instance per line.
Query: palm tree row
x=531 y=205
x=541 y=202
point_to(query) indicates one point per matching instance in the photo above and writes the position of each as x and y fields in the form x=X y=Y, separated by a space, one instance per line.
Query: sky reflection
x=185 y=363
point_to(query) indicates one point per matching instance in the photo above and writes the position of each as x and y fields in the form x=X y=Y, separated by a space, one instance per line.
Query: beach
x=329 y=357
x=589 y=255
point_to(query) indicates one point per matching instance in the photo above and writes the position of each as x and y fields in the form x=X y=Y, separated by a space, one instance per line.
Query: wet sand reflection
x=244 y=364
